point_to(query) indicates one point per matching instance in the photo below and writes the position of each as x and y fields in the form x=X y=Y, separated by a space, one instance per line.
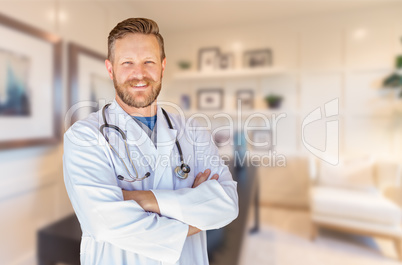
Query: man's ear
x=109 y=68
x=163 y=66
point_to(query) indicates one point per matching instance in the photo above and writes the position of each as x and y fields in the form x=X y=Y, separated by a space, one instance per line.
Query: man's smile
x=140 y=86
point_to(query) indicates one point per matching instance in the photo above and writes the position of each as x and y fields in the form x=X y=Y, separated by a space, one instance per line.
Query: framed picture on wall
x=30 y=88
x=258 y=58
x=208 y=59
x=245 y=98
x=210 y=99
x=90 y=86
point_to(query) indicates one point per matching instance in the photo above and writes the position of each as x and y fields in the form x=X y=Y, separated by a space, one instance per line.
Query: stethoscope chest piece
x=182 y=171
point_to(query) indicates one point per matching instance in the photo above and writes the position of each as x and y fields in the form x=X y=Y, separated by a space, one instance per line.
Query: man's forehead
x=137 y=42
x=138 y=38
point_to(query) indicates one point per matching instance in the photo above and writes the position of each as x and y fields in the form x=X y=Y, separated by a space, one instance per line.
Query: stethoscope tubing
x=181 y=171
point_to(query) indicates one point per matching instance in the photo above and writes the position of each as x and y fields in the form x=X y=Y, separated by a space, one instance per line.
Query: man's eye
x=127 y=63
x=148 y=62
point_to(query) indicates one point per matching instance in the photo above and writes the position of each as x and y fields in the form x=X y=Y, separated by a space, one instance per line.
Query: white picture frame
x=90 y=86
x=32 y=59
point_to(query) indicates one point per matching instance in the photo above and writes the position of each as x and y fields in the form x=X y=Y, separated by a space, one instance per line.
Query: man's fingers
x=203 y=176
x=215 y=176
x=206 y=173
x=197 y=180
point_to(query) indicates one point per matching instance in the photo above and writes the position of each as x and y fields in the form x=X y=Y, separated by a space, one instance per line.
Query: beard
x=139 y=99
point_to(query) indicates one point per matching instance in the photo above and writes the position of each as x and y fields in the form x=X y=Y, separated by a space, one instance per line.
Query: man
x=162 y=218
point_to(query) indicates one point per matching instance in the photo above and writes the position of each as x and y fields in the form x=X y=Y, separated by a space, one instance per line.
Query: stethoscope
x=181 y=171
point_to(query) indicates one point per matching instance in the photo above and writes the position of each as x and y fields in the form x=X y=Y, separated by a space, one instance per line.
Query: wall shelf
x=252 y=72
x=243 y=114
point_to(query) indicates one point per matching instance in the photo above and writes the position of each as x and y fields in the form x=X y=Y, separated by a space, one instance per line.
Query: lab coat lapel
x=137 y=139
x=166 y=139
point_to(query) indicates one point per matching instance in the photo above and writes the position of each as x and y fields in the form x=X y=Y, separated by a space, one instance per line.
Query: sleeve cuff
x=168 y=203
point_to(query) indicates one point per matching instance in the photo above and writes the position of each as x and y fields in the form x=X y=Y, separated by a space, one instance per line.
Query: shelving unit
x=231 y=73
x=266 y=72
x=234 y=113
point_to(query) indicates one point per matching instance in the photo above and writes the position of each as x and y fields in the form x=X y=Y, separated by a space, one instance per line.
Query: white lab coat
x=120 y=232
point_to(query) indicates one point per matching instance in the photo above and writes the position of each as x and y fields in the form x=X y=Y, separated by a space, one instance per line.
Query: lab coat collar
x=166 y=137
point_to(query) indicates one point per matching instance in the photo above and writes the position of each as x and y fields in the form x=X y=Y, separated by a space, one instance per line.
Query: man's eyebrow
x=125 y=58
x=131 y=58
x=150 y=57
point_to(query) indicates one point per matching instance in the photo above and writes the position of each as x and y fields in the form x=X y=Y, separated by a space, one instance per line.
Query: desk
x=60 y=242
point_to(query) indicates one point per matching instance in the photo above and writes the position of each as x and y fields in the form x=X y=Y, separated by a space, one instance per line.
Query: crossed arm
x=146 y=199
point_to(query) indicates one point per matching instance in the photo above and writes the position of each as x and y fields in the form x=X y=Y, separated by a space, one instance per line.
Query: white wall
x=32 y=192
x=31 y=178
x=341 y=55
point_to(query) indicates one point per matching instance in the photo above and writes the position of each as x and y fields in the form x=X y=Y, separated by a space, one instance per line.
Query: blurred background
x=331 y=190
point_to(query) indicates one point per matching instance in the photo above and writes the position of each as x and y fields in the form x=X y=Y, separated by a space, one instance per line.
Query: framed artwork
x=245 y=98
x=30 y=85
x=210 y=99
x=258 y=58
x=208 y=59
x=226 y=61
x=90 y=86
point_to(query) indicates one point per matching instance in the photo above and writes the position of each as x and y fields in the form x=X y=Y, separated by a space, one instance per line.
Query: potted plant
x=273 y=101
x=395 y=79
x=184 y=65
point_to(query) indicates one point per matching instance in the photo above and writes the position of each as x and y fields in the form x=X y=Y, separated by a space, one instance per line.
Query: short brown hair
x=134 y=25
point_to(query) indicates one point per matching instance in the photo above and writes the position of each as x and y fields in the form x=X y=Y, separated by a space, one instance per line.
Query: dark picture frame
x=257 y=58
x=247 y=99
x=210 y=99
x=75 y=73
x=43 y=79
x=208 y=59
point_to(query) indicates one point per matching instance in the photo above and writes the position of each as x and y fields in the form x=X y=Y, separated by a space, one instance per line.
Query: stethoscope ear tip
x=147 y=174
x=120 y=177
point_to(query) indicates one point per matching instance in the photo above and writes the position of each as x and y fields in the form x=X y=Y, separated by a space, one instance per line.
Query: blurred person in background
x=131 y=176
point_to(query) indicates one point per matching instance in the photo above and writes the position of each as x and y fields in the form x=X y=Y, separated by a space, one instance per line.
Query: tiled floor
x=283 y=240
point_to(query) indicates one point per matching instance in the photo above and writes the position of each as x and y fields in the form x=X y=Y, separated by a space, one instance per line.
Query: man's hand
x=145 y=198
x=203 y=176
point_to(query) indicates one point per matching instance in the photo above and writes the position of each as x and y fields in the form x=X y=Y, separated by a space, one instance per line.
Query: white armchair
x=349 y=197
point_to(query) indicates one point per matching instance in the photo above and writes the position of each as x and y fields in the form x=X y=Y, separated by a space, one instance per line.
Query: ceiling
x=175 y=15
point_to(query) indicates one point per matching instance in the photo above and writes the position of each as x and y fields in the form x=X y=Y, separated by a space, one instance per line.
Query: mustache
x=134 y=82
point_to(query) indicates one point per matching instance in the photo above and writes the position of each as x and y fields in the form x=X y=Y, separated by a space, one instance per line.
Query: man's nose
x=138 y=72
